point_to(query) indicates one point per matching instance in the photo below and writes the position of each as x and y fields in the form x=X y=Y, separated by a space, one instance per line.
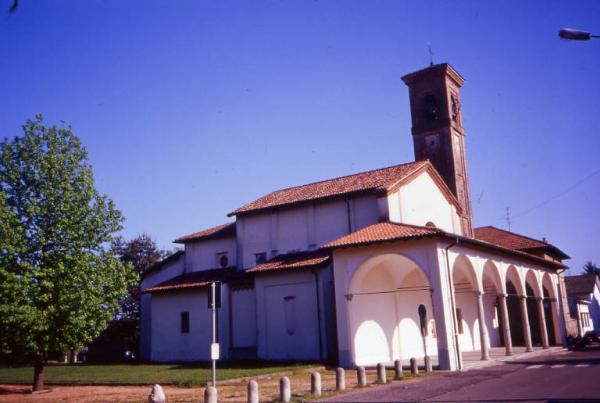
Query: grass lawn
x=144 y=374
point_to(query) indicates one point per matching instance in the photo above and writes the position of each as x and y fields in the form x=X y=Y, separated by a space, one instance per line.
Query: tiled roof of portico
x=376 y=181
x=511 y=240
x=390 y=232
x=381 y=232
x=195 y=279
x=298 y=260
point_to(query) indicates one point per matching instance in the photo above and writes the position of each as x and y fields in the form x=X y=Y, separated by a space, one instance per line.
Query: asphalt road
x=563 y=376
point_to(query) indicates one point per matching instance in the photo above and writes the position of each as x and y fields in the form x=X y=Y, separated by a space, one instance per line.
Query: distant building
x=366 y=268
x=584 y=302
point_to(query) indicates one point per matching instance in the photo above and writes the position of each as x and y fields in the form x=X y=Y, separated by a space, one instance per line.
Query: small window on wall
x=459 y=319
x=222 y=259
x=289 y=308
x=185 y=322
x=260 y=257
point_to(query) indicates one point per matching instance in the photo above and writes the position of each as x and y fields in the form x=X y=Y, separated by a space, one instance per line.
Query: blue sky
x=190 y=109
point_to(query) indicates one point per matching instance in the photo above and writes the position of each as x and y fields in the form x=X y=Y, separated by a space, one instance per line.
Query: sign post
x=214 y=302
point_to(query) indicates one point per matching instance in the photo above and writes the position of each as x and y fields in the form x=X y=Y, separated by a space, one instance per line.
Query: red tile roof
x=583 y=284
x=383 y=232
x=379 y=180
x=510 y=240
x=220 y=231
x=195 y=279
x=298 y=260
x=390 y=232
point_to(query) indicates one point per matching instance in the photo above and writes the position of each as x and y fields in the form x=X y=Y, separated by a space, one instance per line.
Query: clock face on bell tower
x=437 y=130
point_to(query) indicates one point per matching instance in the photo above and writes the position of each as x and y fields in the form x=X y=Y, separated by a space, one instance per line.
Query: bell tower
x=437 y=130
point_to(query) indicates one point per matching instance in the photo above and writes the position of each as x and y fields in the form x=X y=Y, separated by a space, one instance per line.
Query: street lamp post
x=576 y=35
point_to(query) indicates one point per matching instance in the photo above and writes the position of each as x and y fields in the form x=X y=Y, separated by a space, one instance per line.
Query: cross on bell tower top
x=438 y=133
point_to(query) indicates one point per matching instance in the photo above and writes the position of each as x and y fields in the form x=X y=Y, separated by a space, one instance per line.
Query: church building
x=362 y=269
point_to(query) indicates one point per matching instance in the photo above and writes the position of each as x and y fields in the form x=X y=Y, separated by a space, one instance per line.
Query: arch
x=385 y=261
x=466 y=287
x=491 y=279
x=514 y=277
x=548 y=285
x=532 y=280
x=464 y=273
x=551 y=309
x=386 y=291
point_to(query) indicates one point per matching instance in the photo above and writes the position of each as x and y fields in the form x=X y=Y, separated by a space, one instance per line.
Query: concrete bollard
x=315 y=384
x=361 y=376
x=398 y=374
x=381 y=375
x=253 y=396
x=157 y=395
x=414 y=368
x=428 y=367
x=340 y=379
x=285 y=390
x=210 y=395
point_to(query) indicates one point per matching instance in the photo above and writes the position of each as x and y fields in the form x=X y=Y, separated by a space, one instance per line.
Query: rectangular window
x=459 y=319
x=260 y=257
x=185 y=322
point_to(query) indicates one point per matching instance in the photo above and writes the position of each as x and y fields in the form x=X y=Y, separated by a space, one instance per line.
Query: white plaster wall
x=168 y=343
x=491 y=319
x=202 y=255
x=243 y=318
x=349 y=315
x=288 y=330
x=421 y=201
x=470 y=339
x=595 y=308
x=303 y=228
x=168 y=271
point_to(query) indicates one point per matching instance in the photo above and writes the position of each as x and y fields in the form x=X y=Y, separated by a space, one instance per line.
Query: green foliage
x=141 y=253
x=164 y=374
x=591 y=268
x=59 y=285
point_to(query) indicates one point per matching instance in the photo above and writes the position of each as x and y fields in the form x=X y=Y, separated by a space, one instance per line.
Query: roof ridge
x=412 y=225
x=347 y=176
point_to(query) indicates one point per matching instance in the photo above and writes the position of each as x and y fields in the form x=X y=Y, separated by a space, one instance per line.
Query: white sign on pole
x=214 y=351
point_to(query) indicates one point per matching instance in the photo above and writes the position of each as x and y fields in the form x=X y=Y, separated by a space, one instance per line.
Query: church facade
x=362 y=269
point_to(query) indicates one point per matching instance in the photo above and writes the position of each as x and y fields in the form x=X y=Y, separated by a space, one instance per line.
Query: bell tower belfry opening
x=438 y=133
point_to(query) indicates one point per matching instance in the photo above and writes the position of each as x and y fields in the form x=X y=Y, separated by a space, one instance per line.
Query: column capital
x=502 y=295
x=539 y=299
x=552 y=299
x=522 y=296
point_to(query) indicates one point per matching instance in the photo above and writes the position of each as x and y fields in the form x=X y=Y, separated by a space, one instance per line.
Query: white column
x=506 y=324
x=525 y=320
x=484 y=338
x=542 y=318
x=441 y=283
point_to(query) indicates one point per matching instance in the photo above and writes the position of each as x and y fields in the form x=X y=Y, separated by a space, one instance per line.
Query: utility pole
x=214 y=302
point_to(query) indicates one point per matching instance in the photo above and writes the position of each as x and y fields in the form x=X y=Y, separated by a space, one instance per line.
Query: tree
x=59 y=284
x=140 y=252
x=591 y=268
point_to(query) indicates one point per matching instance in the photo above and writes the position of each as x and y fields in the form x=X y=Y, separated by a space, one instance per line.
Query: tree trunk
x=38 y=374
